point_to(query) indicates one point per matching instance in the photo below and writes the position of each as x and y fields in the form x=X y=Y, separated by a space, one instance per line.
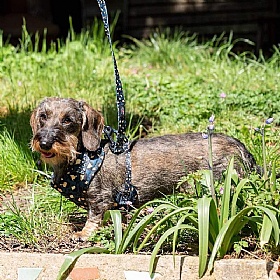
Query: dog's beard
x=60 y=153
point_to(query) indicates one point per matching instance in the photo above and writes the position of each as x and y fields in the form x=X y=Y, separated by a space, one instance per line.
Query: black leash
x=118 y=145
x=121 y=145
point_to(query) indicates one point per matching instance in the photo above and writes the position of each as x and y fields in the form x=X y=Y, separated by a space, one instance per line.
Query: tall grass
x=16 y=164
x=38 y=220
x=189 y=88
x=186 y=91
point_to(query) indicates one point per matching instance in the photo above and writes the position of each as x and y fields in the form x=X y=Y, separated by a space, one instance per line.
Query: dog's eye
x=66 y=120
x=43 y=117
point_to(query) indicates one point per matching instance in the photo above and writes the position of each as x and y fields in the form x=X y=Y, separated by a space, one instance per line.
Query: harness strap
x=75 y=182
x=129 y=195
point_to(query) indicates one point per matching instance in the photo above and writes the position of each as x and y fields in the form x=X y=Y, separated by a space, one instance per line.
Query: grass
x=170 y=79
x=16 y=162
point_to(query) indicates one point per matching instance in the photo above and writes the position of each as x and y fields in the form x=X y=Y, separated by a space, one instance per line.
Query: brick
x=84 y=273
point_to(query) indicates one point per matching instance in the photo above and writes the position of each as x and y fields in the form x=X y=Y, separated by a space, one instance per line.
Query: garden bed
x=56 y=246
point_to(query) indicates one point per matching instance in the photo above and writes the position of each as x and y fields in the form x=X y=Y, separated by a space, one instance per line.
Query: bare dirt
x=47 y=244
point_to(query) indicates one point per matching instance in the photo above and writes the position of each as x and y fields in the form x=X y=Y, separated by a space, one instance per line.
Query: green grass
x=170 y=79
x=16 y=162
x=37 y=217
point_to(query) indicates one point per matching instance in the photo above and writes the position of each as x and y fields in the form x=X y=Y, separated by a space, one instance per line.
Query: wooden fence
x=256 y=20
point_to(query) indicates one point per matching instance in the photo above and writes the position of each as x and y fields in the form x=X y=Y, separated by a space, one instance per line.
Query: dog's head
x=62 y=126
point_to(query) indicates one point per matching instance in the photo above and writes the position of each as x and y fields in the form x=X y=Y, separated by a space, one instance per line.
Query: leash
x=118 y=145
x=127 y=197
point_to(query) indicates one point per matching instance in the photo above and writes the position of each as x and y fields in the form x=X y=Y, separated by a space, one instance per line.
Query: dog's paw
x=86 y=232
x=79 y=236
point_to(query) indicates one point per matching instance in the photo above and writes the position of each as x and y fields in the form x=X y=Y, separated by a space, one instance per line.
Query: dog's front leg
x=92 y=224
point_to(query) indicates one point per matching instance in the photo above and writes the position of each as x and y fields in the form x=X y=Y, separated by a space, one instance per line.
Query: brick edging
x=135 y=267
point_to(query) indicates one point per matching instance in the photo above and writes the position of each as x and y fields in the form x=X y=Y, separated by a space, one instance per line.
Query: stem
x=210 y=159
x=264 y=155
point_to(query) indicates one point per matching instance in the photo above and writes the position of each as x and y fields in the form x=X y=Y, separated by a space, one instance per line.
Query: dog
x=63 y=128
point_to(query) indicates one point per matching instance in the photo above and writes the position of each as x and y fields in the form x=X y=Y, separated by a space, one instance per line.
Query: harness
x=75 y=183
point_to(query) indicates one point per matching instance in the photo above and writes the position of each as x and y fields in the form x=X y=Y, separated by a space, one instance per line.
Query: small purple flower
x=150 y=210
x=259 y=130
x=204 y=135
x=211 y=119
x=269 y=121
x=223 y=95
x=211 y=127
x=221 y=190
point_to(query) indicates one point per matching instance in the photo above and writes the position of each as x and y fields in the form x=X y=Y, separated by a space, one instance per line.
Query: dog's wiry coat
x=63 y=127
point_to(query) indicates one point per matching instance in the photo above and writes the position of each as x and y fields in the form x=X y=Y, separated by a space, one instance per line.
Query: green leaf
x=266 y=230
x=72 y=258
x=134 y=233
x=117 y=223
x=237 y=191
x=128 y=232
x=273 y=177
x=226 y=233
x=234 y=225
x=175 y=237
x=162 y=240
x=203 y=208
x=224 y=214
x=213 y=222
x=271 y=213
x=168 y=216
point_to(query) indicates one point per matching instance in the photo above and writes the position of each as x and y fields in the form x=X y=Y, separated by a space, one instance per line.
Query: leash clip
x=118 y=146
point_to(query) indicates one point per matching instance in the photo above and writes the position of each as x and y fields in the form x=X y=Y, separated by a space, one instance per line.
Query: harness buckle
x=127 y=197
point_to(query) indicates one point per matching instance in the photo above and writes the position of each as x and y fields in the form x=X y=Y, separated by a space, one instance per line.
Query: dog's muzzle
x=46 y=138
x=44 y=145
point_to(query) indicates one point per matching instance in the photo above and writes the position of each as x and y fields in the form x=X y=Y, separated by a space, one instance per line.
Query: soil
x=64 y=244
x=50 y=244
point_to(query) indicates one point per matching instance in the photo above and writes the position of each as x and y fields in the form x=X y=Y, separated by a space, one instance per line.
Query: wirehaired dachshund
x=65 y=130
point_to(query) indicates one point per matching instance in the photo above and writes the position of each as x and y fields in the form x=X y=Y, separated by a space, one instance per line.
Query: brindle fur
x=62 y=127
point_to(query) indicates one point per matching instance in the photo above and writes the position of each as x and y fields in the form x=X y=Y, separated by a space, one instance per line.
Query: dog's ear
x=33 y=122
x=92 y=127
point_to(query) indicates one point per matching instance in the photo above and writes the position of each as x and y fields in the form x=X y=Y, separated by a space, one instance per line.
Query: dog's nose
x=45 y=145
